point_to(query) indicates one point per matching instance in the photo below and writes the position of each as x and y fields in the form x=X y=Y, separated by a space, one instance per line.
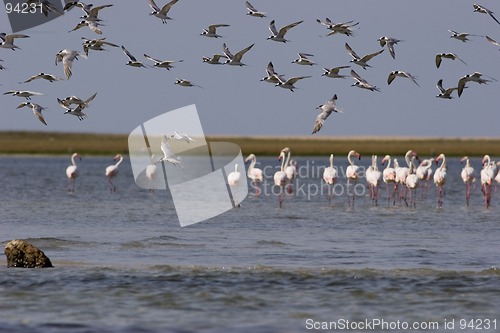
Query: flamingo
x=112 y=171
x=72 y=172
x=412 y=182
x=352 y=173
x=389 y=176
x=372 y=177
x=233 y=179
x=487 y=175
x=424 y=172
x=403 y=172
x=330 y=176
x=151 y=171
x=290 y=169
x=468 y=175
x=255 y=174
x=280 y=178
x=440 y=178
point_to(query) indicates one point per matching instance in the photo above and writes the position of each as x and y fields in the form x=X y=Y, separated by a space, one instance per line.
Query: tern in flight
x=163 y=12
x=254 y=12
x=279 y=36
x=394 y=74
x=481 y=9
x=451 y=56
x=37 y=110
x=235 y=60
x=326 y=110
x=361 y=61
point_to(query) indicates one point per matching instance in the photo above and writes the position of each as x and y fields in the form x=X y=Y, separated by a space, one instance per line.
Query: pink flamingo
x=389 y=177
x=373 y=177
x=487 y=176
x=352 y=174
x=424 y=173
x=112 y=171
x=440 y=178
x=330 y=176
x=280 y=177
x=254 y=174
x=468 y=176
x=72 y=173
x=412 y=183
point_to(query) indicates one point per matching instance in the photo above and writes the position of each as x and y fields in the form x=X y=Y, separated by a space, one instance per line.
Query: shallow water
x=123 y=263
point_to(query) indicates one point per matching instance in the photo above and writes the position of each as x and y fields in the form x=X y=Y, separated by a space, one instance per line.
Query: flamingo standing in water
x=254 y=174
x=151 y=171
x=352 y=174
x=389 y=177
x=424 y=173
x=468 y=176
x=330 y=176
x=402 y=173
x=372 y=177
x=233 y=179
x=280 y=178
x=72 y=173
x=112 y=171
x=290 y=169
x=487 y=176
x=440 y=178
x=412 y=182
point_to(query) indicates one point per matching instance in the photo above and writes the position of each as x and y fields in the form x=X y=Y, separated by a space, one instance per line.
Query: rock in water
x=22 y=254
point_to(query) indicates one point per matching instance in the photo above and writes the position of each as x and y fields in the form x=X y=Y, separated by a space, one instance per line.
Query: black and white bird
x=362 y=83
x=289 y=84
x=235 y=60
x=484 y=10
x=211 y=31
x=92 y=25
x=185 y=83
x=168 y=155
x=48 y=77
x=163 y=12
x=182 y=136
x=452 y=56
x=461 y=36
x=334 y=72
x=133 y=62
x=80 y=105
x=492 y=41
x=326 y=109
x=66 y=57
x=361 y=61
x=344 y=28
x=304 y=60
x=474 y=77
x=254 y=12
x=279 y=36
x=23 y=93
x=444 y=93
x=389 y=42
x=394 y=74
x=167 y=64
x=95 y=45
x=37 y=110
x=272 y=76
x=214 y=60
x=7 y=40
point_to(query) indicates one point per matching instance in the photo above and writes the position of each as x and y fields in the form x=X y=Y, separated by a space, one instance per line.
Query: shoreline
x=60 y=143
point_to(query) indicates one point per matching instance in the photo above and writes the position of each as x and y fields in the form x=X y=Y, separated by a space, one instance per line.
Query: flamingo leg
x=467 y=193
x=282 y=193
x=112 y=187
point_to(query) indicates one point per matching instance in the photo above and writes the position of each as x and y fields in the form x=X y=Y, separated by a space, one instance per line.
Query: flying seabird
x=326 y=110
x=279 y=36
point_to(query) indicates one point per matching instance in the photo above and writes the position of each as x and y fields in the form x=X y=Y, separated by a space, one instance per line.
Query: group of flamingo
x=72 y=172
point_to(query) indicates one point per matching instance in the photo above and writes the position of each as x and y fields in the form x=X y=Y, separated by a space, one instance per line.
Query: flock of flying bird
x=74 y=105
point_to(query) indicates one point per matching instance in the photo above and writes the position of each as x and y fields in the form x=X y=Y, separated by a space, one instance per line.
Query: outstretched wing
x=130 y=56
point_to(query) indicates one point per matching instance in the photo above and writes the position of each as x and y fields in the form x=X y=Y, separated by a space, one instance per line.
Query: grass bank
x=109 y=144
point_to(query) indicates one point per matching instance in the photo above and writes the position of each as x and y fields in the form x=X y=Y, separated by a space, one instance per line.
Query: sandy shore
x=109 y=144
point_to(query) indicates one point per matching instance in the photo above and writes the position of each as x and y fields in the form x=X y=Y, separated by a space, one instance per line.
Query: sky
x=233 y=100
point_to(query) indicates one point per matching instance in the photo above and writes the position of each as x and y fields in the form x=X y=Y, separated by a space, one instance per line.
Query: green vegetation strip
x=109 y=144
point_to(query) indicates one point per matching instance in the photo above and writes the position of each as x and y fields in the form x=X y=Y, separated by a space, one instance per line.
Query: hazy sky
x=233 y=101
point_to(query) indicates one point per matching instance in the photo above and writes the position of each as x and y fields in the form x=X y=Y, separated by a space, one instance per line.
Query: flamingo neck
x=388 y=163
x=331 y=162
x=73 y=160
x=283 y=164
x=119 y=161
x=349 y=159
x=407 y=158
x=288 y=158
x=443 y=164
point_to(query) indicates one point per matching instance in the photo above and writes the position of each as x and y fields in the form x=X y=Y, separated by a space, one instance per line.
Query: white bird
x=373 y=176
x=445 y=93
x=344 y=28
x=168 y=155
x=211 y=31
x=182 y=136
x=37 y=110
x=112 y=171
x=389 y=177
x=390 y=42
x=89 y=9
x=352 y=174
x=279 y=36
x=254 y=12
x=66 y=57
x=492 y=41
x=403 y=172
x=448 y=55
x=48 y=77
x=133 y=62
x=330 y=175
x=361 y=61
x=272 y=76
x=163 y=12
x=235 y=60
x=23 y=93
x=326 y=109
x=80 y=105
x=92 y=25
x=214 y=60
x=487 y=175
x=304 y=60
x=7 y=41
x=289 y=84
x=440 y=178
x=468 y=175
x=412 y=182
x=474 y=77
x=186 y=83
x=334 y=72
x=233 y=179
x=167 y=64
x=484 y=10
x=394 y=74
x=254 y=174
x=95 y=44
x=280 y=177
x=92 y=13
x=424 y=172
x=290 y=169
x=461 y=36
x=72 y=172
x=362 y=83
x=151 y=171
